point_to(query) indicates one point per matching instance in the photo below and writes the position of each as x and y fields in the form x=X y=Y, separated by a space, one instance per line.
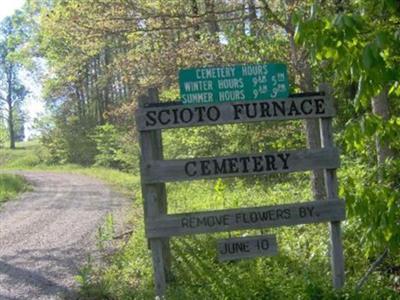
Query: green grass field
x=27 y=155
x=11 y=186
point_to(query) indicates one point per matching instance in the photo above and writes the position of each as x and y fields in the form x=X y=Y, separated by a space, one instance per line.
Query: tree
x=357 y=44
x=12 y=91
x=3 y=130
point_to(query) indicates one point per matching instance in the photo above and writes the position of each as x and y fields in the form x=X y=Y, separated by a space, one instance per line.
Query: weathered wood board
x=246 y=218
x=247 y=247
x=331 y=186
x=178 y=115
x=155 y=199
x=239 y=165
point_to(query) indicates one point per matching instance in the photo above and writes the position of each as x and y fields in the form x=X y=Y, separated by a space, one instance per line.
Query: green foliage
x=32 y=155
x=106 y=231
x=360 y=133
x=11 y=186
x=114 y=149
x=106 y=139
x=26 y=156
x=355 y=45
x=374 y=206
x=300 y=271
x=69 y=141
x=73 y=140
x=84 y=278
x=3 y=134
x=12 y=91
x=228 y=139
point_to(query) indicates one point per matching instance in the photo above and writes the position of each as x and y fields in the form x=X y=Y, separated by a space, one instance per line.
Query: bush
x=68 y=141
x=115 y=149
x=374 y=204
x=107 y=142
x=228 y=139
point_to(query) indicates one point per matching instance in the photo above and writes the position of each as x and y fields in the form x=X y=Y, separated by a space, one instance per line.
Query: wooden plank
x=239 y=165
x=179 y=115
x=245 y=218
x=247 y=247
x=331 y=185
x=155 y=202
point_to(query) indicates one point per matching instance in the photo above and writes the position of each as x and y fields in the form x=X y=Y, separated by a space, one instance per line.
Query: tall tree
x=12 y=91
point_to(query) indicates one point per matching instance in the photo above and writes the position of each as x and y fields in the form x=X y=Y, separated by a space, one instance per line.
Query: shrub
x=68 y=141
x=115 y=148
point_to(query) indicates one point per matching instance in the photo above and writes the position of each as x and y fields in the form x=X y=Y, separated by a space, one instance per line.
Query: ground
x=48 y=234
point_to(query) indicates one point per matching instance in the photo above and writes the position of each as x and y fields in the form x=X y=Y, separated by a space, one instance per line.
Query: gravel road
x=46 y=235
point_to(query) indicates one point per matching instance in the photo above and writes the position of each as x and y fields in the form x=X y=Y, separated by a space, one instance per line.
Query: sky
x=33 y=105
x=7 y=7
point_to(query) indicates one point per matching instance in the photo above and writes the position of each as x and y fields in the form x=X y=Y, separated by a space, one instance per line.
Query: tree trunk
x=108 y=88
x=213 y=27
x=380 y=107
x=313 y=137
x=195 y=11
x=314 y=142
x=303 y=67
x=11 y=125
x=243 y=12
x=252 y=17
x=10 y=108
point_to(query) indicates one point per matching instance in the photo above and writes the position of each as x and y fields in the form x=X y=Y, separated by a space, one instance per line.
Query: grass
x=27 y=155
x=300 y=271
x=31 y=156
x=11 y=186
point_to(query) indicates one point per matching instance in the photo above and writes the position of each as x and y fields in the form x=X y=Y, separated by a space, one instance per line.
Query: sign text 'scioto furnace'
x=178 y=115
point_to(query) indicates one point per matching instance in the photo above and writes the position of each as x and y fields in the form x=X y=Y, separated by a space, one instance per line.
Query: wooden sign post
x=152 y=117
x=331 y=186
x=155 y=197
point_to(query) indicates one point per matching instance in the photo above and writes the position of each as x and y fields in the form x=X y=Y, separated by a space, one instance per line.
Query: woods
x=99 y=56
x=12 y=91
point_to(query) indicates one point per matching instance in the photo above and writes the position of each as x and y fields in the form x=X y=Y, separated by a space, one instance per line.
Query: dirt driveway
x=47 y=234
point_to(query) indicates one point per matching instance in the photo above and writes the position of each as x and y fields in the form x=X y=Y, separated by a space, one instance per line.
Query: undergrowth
x=11 y=186
x=31 y=156
x=300 y=271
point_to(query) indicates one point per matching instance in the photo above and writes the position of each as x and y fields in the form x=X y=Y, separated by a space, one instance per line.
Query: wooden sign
x=245 y=218
x=177 y=115
x=233 y=83
x=247 y=247
x=153 y=116
x=239 y=165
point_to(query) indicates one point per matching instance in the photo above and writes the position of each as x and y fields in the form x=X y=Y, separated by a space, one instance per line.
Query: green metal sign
x=233 y=83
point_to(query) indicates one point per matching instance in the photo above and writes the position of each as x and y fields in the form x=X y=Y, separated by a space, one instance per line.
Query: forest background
x=95 y=57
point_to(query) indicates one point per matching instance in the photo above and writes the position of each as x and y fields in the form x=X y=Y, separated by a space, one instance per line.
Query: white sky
x=33 y=103
x=7 y=7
